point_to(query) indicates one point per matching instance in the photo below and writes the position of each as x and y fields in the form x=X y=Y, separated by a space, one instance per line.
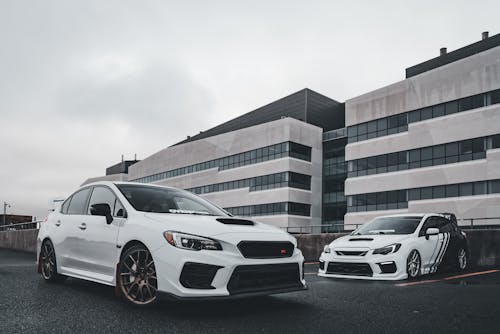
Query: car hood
x=209 y=226
x=367 y=241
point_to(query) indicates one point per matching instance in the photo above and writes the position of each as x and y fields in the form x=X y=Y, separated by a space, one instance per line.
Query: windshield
x=167 y=200
x=390 y=225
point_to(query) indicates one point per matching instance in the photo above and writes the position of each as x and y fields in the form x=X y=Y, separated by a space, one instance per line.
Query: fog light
x=387 y=267
x=321 y=265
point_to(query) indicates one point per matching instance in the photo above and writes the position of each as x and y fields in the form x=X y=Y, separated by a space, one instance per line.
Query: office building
x=429 y=143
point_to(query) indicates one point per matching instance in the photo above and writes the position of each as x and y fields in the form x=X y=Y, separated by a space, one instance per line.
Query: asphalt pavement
x=433 y=304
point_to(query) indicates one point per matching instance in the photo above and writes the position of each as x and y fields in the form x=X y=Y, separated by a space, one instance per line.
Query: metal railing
x=21 y=226
x=475 y=223
x=322 y=228
x=469 y=223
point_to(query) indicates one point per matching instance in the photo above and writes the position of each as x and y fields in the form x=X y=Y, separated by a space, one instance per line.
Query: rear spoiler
x=450 y=216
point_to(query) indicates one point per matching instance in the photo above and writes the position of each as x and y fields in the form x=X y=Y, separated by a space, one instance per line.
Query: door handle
x=57 y=223
x=82 y=226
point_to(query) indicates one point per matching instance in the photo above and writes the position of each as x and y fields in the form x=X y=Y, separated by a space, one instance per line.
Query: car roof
x=415 y=215
x=109 y=183
x=143 y=184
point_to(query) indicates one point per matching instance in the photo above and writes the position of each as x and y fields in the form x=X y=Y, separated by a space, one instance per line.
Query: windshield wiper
x=189 y=212
x=381 y=231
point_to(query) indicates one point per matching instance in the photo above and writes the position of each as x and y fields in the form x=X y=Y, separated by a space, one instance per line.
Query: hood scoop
x=234 y=221
x=361 y=239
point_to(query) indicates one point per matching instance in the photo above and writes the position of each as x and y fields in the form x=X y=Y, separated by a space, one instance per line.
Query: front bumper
x=367 y=267
x=233 y=275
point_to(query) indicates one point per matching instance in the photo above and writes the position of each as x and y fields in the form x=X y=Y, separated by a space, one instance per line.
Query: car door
x=58 y=234
x=454 y=237
x=430 y=246
x=97 y=241
x=67 y=231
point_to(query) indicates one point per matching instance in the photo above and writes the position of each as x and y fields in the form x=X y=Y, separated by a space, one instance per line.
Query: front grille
x=258 y=278
x=354 y=269
x=266 y=249
x=351 y=253
x=198 y=275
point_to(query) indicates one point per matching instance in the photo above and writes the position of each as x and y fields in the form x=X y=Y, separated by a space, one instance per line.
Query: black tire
x=413 y=264
x=48 y=263
x=136 y=276
x=462 y=261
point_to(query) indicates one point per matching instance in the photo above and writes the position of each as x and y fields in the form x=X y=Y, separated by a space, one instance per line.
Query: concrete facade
x=473 y=75
x=113 y=177
x=226 y=144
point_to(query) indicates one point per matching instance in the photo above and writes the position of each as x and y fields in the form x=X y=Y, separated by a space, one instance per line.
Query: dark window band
x=276 y=151
x=399 y=123
x=398 y=199
x=280 y=208
x=271 y=181
x=464 y=150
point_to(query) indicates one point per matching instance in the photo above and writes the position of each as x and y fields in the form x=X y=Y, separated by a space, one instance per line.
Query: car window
x=167 y=200
x=184 y=203
x=78 y=201
x=431 y=222
x=102 y=195
x=64 y=207
x=445 y=226
x=119 y=209
x=390 y=225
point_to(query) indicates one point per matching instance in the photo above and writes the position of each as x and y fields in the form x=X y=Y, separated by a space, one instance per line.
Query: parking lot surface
x=453 y=303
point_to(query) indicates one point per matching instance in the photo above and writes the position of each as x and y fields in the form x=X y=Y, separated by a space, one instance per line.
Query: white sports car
x=397 y=247
x=149 y=241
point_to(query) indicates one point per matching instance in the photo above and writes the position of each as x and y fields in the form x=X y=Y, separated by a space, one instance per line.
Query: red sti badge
x=283 y=252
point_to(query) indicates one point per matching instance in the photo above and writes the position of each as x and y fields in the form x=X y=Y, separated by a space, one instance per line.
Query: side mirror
x=431 y=231
x=102 y=209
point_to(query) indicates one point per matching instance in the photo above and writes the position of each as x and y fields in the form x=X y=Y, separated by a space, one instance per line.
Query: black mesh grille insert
x=198 y=275
x=265 y=249
x=257 y=278
x=354 y=269
x=351 y=253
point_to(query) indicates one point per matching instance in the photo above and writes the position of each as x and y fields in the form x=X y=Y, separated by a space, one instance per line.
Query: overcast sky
x=82 y=82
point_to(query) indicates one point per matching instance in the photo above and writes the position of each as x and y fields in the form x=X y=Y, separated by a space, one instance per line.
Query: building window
x=398 y=199
x=269 y=209
x=237 y=160
x=470 y=149
x=264 y=182
x=399 y=123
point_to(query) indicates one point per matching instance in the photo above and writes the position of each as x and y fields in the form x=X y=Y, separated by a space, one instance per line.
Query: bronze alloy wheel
x=137 y=276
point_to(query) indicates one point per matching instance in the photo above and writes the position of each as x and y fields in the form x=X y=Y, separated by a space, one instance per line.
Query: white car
x=397 y=247
x=151 y=241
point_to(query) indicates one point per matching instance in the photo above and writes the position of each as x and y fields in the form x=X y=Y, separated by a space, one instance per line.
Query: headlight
x=387 y=249
x=327 y=249
x=191 y=242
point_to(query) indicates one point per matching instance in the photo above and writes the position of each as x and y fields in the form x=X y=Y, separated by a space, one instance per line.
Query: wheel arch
x=131 y=244
x=39 y=260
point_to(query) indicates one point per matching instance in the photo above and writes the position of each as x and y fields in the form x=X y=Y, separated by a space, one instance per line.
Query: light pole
x=5 y=206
